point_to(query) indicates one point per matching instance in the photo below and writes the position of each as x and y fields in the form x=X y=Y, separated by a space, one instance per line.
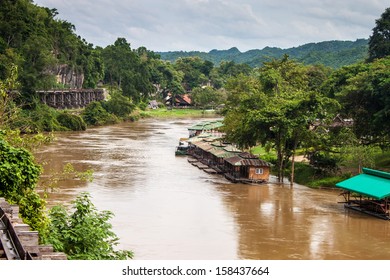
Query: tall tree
x=379 y=43
x=207 y=96
x=366 y=99
x=277 y=109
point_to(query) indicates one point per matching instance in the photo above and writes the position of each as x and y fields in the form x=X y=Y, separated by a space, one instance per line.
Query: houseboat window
x=259 y=171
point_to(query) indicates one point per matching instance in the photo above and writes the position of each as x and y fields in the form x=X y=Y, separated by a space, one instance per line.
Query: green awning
x=371 y=183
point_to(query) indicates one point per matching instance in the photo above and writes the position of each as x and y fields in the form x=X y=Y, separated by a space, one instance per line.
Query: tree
x=277 y=109
x=119 y=105
x=207 y=96
x=7 y=108
x=196 y=71
x=95 y=114
x=86 y=233
x=379 y=42
x=365 y=98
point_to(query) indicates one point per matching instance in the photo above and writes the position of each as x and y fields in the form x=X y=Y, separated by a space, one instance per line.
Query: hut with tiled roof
x=246 y=168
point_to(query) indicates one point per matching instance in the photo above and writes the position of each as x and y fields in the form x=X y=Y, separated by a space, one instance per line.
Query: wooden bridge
x=70 y=98
x=17 y=241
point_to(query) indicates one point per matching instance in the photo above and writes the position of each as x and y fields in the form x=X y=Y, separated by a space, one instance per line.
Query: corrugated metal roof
x=246 y=159
x=371 y=183
x=207 y=125
x=204 y=145
x=221 y=153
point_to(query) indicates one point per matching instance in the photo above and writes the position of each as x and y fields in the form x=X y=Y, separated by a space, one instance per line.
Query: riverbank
x=165 y=113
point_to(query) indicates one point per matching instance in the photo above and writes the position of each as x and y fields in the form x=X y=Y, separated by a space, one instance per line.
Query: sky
x=203 y=25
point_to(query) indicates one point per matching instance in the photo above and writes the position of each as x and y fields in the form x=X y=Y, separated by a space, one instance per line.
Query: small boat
x=182 y=149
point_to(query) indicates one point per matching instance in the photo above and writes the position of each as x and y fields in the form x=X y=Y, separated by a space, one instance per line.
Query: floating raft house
x=368 y=192
x=206 y=126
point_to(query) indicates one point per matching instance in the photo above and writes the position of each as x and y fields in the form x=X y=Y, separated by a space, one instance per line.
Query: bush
x=18 y=171
x=40 y=118
x=85 y=234
x=71 y=122
x=95 y=114
x=18 y=177
x=119 y=105
x=142 y=106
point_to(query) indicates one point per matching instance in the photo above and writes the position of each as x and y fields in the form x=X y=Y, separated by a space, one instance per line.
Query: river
x=167 y=209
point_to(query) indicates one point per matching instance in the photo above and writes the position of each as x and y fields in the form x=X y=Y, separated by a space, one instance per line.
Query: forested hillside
x=334 y=54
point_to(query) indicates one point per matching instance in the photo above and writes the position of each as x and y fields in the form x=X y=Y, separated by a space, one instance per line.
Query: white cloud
x=218 y=24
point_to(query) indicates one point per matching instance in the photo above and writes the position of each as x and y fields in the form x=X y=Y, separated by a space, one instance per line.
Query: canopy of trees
x=334 y=54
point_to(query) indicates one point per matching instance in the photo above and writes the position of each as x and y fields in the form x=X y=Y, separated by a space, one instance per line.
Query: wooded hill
x=334 y=54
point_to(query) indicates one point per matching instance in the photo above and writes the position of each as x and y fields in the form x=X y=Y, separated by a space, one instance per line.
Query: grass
x=176 y=113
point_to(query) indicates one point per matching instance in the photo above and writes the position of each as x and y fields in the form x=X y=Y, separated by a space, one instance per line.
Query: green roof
x=207 y=125
x=371 y=183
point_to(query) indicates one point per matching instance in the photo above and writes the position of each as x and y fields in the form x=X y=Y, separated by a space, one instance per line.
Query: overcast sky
x=203 y=25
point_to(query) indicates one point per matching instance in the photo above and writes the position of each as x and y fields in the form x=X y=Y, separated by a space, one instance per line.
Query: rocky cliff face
x=68 y=75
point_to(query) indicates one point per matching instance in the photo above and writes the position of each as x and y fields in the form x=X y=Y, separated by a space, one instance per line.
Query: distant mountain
x=334 y=54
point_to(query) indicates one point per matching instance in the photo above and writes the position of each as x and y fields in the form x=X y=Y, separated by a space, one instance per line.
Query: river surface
x=165 y=208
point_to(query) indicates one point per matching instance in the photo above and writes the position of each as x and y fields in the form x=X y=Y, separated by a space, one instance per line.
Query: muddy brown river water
x=167 y=209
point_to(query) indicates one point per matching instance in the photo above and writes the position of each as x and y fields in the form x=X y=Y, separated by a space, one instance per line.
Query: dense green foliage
x=275 y=105
x=33 y=39
x=334 y=54
x=85 y=233
x=45 y=118
x=119 y=105
x=71 y=121
x=208 y=97
x=95 y=114
x=379 y=43
x=18 y=170
x=19 y=175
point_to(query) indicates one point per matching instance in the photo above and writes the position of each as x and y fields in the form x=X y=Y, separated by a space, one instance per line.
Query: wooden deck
x=367 y=211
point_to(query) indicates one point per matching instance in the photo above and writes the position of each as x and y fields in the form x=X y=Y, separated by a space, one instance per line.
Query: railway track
x=10 y=245
x=18 y=241
x=7 y=246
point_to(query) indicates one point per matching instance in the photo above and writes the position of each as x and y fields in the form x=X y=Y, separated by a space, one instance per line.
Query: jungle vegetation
x=336 y=116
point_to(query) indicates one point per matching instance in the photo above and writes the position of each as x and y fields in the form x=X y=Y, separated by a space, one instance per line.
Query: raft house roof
x=246 y=159
x=221 y=152
x=207 y=125
x=371 y=183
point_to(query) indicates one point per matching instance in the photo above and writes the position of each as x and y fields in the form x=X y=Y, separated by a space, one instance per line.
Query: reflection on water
x=167 y=209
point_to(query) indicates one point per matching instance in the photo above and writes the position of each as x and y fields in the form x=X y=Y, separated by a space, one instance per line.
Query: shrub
x=95 y=114
x=85 y=234
x=119 y=105
x=72 y=122
x=38 y=119
x=18 y=172
x=18 y=177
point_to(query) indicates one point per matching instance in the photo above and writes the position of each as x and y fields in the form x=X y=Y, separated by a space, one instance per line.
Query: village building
x=247 y=168
x=368 y=192
x=179 y=100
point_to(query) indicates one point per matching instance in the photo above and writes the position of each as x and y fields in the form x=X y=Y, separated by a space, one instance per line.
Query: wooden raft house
x=368 y=192
x=246 y=167
x=210 y=153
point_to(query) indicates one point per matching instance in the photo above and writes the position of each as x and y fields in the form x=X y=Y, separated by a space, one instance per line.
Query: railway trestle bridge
x=70 y=98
